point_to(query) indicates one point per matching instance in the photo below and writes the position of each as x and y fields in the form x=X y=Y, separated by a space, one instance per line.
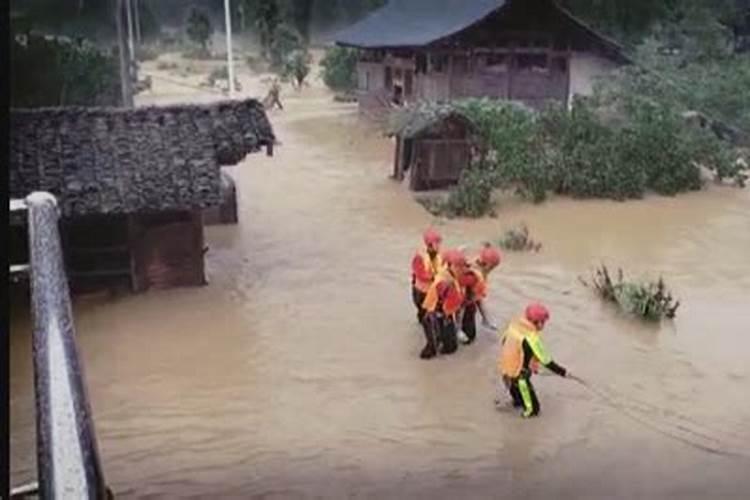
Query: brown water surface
x=295 y=373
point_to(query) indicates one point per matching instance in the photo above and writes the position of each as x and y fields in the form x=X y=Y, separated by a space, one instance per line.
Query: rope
x=615 y=405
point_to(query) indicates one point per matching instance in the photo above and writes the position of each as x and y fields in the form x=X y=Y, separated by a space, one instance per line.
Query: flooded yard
x=295 y=372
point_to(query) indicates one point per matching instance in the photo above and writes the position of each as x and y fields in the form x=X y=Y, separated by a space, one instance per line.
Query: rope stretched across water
x=615 y=405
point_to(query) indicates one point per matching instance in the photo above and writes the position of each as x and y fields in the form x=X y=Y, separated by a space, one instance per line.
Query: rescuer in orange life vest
x=521 y=352
x=442 y=303
x=474 y=282
x=425 y=265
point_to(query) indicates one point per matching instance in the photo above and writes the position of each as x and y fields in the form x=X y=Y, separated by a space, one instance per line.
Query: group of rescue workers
x=448 y=290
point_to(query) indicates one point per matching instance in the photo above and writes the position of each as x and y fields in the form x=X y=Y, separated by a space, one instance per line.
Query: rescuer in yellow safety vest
x=425 y=266
x=475 y=284
x=521 y=350
x=443 y=301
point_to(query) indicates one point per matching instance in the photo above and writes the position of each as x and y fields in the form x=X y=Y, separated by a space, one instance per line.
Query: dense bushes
x=340 y=69
x=604 y=147
x=49 y=71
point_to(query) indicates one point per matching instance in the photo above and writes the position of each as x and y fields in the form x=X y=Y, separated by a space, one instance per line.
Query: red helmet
x=537 y=313
x=432 y=237
x=490 y=256
x=454 y=257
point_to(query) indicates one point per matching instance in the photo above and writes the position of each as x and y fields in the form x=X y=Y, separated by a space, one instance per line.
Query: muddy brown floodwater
x=295 y=373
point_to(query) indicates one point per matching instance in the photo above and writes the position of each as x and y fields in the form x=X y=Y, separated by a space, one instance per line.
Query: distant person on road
x=274 y=96
x=521 y=352
x=425 y=266
x=475 y=284
x=444 y=300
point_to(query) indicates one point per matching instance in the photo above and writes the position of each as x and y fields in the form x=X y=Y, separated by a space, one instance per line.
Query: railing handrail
x=67 y=452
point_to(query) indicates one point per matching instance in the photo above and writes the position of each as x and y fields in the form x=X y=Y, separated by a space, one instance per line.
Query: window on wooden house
x=388 y=77
x=535 y=63
x=496 y=63
x=438 y=63
x=408 y=84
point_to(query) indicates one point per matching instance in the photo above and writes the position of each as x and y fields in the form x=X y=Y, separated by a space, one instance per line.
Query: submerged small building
x=530 y=51
x=433 y=145
x=132 y=184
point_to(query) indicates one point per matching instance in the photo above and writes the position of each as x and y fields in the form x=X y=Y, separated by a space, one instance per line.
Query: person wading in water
x=475 y=284
x=425 y=265
x=521 y=352
x=442 y=303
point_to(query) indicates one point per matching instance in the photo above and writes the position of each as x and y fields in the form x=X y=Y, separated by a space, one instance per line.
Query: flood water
x=295 y=373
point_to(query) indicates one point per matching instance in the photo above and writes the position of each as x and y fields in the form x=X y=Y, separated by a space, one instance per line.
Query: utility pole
x=131 y=45
x=126 y=81
x=230 y=59
x=137 y=17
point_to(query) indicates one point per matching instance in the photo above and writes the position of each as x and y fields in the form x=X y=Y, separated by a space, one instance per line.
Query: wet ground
x=295 y=373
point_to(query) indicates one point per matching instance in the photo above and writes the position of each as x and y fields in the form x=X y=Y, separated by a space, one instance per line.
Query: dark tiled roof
x=417 y=23
x=414 y=23
x=109 y=160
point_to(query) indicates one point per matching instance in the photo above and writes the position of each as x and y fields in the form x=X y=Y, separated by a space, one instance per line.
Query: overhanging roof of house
x=417 y=23
x=414 y=23
x=114 y=160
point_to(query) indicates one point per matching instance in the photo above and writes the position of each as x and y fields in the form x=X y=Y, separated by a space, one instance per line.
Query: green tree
x=340 y=69
x=199 y=28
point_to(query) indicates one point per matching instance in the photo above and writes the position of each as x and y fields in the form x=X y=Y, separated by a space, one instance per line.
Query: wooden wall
x=168 y=250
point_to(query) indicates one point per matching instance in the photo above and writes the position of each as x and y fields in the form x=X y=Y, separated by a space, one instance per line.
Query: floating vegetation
x=518 y=240
x=650 y=300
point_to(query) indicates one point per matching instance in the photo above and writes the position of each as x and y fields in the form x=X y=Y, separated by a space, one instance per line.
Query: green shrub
x=286 y=40
x=649 y=300
x=297 y=66
x=339 y=69
x=198 y=28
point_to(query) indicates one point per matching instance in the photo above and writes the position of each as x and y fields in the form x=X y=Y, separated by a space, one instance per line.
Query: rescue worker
x=522 y=351
x=425 y=265
x=474 y=281
x=441 y=304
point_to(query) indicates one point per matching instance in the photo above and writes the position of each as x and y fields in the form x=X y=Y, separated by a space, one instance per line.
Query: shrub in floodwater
x=339 y=69
x=649 y=300
x=518 y=239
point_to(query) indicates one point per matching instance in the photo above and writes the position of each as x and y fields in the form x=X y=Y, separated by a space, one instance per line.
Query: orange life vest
x=445 y=292
x=475 y=285
x=432 y=266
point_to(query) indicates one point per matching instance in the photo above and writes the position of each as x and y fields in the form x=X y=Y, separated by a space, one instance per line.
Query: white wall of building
x=585 y=68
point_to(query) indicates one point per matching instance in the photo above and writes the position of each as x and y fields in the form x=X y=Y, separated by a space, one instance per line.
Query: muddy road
x=295 y=373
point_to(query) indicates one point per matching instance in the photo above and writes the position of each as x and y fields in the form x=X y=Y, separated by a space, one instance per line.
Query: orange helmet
x=537 y=313
x=454 y=257
x=432 y=237
x=490 y=256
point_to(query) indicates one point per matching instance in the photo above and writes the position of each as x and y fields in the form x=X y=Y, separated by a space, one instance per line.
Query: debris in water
x=649 y=300
x=518 y=240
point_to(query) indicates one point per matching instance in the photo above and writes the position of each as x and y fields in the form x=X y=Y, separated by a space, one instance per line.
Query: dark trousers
x=418 y=298
x=440 y=334
x=523 y=394
x=469 y=322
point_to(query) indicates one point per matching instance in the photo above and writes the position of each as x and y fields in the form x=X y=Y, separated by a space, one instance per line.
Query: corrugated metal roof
x=413 y=23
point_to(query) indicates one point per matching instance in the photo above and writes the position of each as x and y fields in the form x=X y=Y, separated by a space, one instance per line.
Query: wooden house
x=531 y=51
x=434 y=144
x=132 y=184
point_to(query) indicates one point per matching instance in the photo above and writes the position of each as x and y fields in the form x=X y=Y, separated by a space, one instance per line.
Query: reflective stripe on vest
x=434 y=267
x=511 y=355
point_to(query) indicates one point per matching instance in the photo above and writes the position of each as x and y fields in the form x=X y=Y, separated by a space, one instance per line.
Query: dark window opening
x=532 y=62
x=388 y=77
x=560 y=64
x=438 y=63
x=421 y=64
x=408 y=84
x=398 y=95
x=497 y=63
